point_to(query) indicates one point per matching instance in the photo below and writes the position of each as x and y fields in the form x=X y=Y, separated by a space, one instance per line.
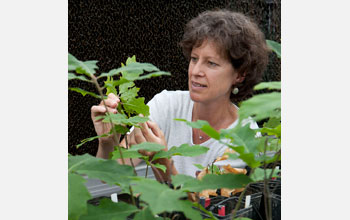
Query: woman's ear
x=239 y=78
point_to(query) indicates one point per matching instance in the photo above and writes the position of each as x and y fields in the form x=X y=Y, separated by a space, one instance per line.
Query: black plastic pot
x=229 y=203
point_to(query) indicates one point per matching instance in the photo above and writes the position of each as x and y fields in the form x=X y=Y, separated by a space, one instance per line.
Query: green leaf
x=268 y=85
x=180 y=179
x=77 y=196
x=91 y=139
x=125 y=86
x=204 y=126
x=250 y=159
x=272 y=131
x=109 y=85
x=243 y=218
x=120 y=119
x=111 y=73
x=96 y=168
x=183 y=150
x=137 y=106
x=259 y=174
x=120 y=129
x=130 y=60
x=261 y=106
x=73 y=76
x=148 y=146
x=212 y=181
x=86 y=67
x=245 y=136
x=83 y=92
x=145 y=214
x=126 y=153
x=108 y=210
x=154 y=74
x=160 y=166
x=272 y=122
x=166 y=199
x=275 y=47
x=130 y=94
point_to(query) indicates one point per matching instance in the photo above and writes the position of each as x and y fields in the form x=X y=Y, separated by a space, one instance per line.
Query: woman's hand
x=149 y=132
x=101 y=127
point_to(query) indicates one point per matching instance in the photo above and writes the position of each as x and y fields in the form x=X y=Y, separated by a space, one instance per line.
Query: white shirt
x=164 y=108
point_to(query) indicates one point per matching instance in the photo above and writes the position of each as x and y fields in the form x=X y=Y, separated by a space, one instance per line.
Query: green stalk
x=127 y=147
x=132 y=196
x=115 y=136
x=241 y=196
x=266 y=188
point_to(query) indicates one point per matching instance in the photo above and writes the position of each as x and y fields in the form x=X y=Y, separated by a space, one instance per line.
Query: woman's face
x=210 y=74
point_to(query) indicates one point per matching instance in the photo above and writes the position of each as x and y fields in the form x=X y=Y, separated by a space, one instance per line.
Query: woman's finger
x=139 y=138
x=155 y=128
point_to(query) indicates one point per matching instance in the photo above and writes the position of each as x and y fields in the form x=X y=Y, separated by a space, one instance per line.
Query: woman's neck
x=219 y=116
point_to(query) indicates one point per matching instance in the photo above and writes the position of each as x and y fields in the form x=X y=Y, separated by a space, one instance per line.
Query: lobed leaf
x=84 y=92
x=154 y=74
x=183 y=150
x=121 y=119
x=77 y=196
x=137 y=106
x=90 y=139
x=126 y=153
x=148 y=146
x=204 y=126
x=259 y=174
x=108 y=210
x=212 y=181
x=73 y=76
x=130 y=94
x=109 y=85
x=96 y=168
x=180 y=179
x=161 y=198
x=86 y=67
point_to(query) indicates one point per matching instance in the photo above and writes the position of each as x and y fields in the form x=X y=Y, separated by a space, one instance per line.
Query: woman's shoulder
x=167 y=97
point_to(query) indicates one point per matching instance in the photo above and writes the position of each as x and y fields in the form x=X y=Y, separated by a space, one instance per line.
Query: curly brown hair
x=238 y=37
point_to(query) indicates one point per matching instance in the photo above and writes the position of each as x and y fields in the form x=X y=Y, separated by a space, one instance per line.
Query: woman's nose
x=198 y=69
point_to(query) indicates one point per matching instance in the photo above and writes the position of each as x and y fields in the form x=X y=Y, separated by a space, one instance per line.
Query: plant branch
x=115 y=135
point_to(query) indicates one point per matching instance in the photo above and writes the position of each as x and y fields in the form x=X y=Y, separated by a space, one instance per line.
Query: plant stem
x=132 y=196
x=146 y=171
x=241 y=196
x=127 y=147
x=155 y=169
x=266 y=188
x=115 y=136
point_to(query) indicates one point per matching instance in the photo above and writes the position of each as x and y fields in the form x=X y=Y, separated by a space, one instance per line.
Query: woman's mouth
x=195 y=84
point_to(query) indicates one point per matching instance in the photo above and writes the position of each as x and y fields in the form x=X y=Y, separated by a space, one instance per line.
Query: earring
x=235 y=91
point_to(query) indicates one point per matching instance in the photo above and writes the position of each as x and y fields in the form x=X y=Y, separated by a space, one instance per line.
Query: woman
x=227 y=55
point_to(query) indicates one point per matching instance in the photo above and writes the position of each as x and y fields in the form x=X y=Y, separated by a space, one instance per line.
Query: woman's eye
x=212 y=63
x=194 y=59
